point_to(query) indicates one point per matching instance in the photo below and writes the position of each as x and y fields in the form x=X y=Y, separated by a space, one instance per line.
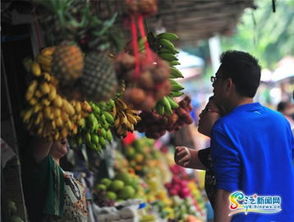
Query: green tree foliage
x=268 y=36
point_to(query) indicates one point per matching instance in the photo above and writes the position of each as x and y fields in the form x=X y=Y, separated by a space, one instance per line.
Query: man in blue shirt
x=251 y=145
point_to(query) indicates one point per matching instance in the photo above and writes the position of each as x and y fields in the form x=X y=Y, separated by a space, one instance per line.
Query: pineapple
x=68 y=63
x=98 y=80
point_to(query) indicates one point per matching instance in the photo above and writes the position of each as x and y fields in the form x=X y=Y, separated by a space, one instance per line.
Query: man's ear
x=229 y=85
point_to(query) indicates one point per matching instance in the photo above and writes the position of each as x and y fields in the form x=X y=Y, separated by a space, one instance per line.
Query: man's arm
x=221 y=211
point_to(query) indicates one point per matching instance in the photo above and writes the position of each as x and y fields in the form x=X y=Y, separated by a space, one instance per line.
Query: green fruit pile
x=139 y=154
x=95 y=131
x=183 y=208
x=124 y=186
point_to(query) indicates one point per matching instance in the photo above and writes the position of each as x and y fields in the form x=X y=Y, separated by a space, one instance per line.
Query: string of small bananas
x=42 y=64
x=125 y=118
x=45 y=59
x=163 y=45
x=95 y=130
x=48 y=114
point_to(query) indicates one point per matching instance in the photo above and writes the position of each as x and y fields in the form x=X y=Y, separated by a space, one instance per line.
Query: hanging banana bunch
x=95 y=129
x=48 y=114
x=163 y=45
x=125 y=118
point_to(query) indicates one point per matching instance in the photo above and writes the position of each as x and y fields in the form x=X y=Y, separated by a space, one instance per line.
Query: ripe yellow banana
x=36 y=69
x=47 y=76
x=48 y=113
x=131 y=118
x=27 y=115
x=44 y=87
x=32 y=87
x=68 y=107
x=78 y=107
x=39 y=118
x=133 y=111
x=32 y=101
x=117 y=122
x=44 y=60
x=57 y=101
x=57 y=136
x=69 y=124
x=48 y=51
x=130 y=126
x=45 y=102
x=114 y=111
x=121 y=104
x=57 y=112
x=29 y=95
x=59 y=122
x=39 y=131
x=53 y=125
x=52 y=92
x=37 y=108
x=124 y=118
x=38 y=94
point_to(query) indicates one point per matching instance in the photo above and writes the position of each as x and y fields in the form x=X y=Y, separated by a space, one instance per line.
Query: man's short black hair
x=244 y=71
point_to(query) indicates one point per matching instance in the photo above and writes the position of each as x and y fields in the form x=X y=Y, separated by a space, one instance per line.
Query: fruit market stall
x=95 y=78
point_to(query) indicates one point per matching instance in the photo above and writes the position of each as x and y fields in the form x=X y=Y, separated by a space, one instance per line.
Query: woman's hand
x=183 y=156
x=188 y=158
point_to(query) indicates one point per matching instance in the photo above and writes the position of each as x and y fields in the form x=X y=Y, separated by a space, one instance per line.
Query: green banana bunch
x=166 y=106
x=95 y=130
x=163 y=45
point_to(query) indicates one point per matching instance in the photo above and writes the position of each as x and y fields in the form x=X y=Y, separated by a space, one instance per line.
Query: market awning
x=199 y=19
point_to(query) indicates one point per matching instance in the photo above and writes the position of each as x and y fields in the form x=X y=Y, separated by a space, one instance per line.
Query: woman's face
x=59 y=149
x=208 y=117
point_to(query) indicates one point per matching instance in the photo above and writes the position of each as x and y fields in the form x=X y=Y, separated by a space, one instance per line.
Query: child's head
x=208 y=117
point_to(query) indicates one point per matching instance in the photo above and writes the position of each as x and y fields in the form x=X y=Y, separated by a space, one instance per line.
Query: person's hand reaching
x=183 y=156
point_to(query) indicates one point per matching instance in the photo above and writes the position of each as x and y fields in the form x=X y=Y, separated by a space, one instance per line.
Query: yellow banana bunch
x=125 y=118
x=48 y=114
x=53 y=118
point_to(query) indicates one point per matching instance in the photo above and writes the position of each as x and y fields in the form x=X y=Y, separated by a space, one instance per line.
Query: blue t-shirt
x=252 y=152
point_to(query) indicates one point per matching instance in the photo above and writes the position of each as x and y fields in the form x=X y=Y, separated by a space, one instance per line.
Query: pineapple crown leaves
x=65 y=16
x=101 y=33
x=104 y=34
x=106 y=25
x=59 y=8
x=76 y=20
